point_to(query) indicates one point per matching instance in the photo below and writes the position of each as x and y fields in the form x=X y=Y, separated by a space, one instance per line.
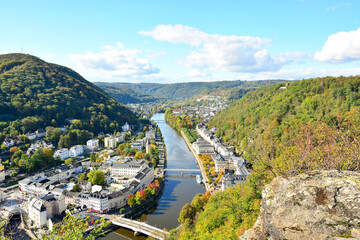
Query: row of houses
x=233 y=167
x=74 y=151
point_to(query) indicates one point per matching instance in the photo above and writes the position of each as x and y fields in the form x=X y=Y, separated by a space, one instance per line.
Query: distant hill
x=124 y=94
x=34 y=94
x=186 y=90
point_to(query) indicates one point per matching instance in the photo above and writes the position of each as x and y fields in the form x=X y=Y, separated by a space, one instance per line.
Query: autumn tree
x=96 y=177
x=187 y=214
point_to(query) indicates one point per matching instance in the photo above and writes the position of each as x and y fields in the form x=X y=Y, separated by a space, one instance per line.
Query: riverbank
x=198 y=161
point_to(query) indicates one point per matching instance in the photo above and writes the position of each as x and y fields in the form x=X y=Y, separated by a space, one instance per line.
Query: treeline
x=68 y=139
x=190 y=134
x=145 y=194
x=35 y=94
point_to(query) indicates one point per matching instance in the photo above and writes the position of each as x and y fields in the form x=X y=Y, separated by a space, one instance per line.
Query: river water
x=179 y=190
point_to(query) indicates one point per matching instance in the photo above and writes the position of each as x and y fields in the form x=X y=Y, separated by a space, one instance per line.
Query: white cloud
x=195 y=73
x=300 y=74
x=114 y=62
x=219 y=52
x=340 y=47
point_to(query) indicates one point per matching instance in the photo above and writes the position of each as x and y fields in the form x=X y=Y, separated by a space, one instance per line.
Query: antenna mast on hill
x=22 y=50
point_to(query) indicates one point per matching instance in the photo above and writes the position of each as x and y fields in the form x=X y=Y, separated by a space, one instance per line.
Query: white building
x=110 y=142
x=44 y=208
x=201 y=146
x=150 y=134
x=93 y=144
x=127 y=169
x=77 y=150
x=11 y=141
x=137 y=145
x=120 y=138
x=37 y=212
x=95 y=202
x=40 y=133
x=126 y=127
x=62 y=153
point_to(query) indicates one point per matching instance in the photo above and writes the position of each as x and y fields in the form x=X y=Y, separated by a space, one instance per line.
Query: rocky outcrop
x=316 y=205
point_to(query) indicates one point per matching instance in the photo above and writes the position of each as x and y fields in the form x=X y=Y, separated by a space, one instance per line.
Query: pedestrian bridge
x=141 y=227
x=159 y=121
x=181 y=170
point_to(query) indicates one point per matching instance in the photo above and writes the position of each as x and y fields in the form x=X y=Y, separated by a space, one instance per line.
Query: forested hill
x=277 y=116
x=188 y=89
x=36 y=94
x=124 y=94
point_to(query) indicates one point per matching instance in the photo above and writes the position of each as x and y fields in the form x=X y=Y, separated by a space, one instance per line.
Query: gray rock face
x=315 y=205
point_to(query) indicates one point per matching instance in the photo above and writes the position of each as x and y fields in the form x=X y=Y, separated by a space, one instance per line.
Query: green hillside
x=35 y=94
x=282 y=130
x=189 y=89
x=125 y=95
x=275 y=114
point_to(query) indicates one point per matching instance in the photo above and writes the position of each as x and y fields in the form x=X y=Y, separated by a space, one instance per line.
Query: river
x=179 y=190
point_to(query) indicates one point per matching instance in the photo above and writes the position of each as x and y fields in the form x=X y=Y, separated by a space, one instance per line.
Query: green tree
x=92 y=157
x=96 y=177
x=187 y=214
x=131 y=200
x=69 y=161
x=141 y=135
x=82 y=177
x=198 y=202
x=76 y=188
x=139 y=155
x=48 y=155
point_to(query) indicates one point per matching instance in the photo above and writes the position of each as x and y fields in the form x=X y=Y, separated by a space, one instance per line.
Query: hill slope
x=189 y=89
x=276 y=113
x=34 y=93
x=125 y=95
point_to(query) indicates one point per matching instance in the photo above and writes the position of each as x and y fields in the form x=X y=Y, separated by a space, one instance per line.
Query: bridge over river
x=141 y=227
x=181 y=170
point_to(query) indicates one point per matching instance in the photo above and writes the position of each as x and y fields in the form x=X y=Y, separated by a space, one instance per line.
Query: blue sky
x=179 y=41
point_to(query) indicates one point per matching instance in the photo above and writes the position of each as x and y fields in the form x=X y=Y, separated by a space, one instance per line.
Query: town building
x=44 y=208
x=110 y=142
x=126 y=127
x=230 y=180
x=93 y=144
x=150 y=134
x=11 y=141
x=62 y=153
x=76 y=151
x=40 y=133
x=39 y=144
x=120 y=138
x=202 y=147
x=137 y=145
x=148 y=146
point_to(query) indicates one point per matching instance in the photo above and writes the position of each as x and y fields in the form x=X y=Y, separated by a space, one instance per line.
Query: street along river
x=179 y=190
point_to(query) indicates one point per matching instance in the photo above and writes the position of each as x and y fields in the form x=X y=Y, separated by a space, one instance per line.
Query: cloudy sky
x=178 y=41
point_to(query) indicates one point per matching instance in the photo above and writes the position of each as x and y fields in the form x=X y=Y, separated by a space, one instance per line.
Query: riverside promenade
x=203 y=174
